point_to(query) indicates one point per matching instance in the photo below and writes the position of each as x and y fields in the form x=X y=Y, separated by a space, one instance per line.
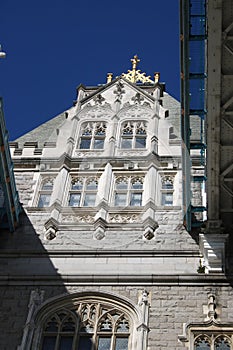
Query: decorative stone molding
x=144 y=302
x=86 y=219
x=119 y=91
x=124 y=218
x=208 y=331
x=150 y=226
x=36 y=299
x=212 y=247
x=100 y=227
x=132 y=153
x=51 y=228
x=210 y=308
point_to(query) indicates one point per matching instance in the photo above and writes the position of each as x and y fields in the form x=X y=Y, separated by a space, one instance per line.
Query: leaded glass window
x=133 y=135
x=45 y=193
x=92 y=135
x=222 y=343
x=128 y=191
x=167 y=191
x=202 y=343
x=83 y=192
x=87 y=326
x=213 y=342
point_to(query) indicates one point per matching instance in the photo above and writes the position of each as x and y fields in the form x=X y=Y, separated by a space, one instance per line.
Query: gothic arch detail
x=92 y=320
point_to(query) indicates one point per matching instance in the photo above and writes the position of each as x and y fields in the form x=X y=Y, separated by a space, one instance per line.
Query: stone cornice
x=136 y=280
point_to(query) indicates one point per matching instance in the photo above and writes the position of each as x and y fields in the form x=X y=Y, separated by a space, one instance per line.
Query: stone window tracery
x=88 y=326
x=92 y=135
x=45 y=193
x=83 y=192
x=212 y=342
x=128 y=191
x=133 y=135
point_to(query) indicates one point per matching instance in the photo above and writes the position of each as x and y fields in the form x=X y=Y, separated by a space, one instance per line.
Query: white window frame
x=133 y=136
x=92 y=135
x=84 y=191
x=128 y=191
x=43 y=191
x=167 y=190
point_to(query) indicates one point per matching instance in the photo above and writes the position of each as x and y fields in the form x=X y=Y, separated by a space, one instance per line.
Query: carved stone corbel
x=51 y=228
x=150 y=226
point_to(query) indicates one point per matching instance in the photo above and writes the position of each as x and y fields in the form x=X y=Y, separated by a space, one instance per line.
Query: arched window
x=83 y=192
x=222 y=343
x=128 y=191
x=92 y=135
x=202 y=343
x=133 y=135
x=87 y=326
x=45 y=193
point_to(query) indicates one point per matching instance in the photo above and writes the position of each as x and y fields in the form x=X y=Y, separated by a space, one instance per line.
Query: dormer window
x=92 y=135
x=133 y=135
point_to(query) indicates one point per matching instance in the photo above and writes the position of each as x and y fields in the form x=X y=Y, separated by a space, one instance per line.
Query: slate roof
x=43 y=133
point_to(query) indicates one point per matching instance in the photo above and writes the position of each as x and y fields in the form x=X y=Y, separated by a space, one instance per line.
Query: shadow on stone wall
x=25 y=267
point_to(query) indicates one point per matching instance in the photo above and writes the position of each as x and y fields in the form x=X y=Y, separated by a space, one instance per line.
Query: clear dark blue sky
x=53 y=45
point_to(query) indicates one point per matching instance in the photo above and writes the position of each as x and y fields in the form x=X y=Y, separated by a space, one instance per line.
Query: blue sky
x=53 y=46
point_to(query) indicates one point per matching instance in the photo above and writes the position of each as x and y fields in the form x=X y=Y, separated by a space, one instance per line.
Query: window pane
x=49 y=343
x=222 y=343
x=98 y=143
x=140 y=142
x=202 y=344
x=126 y=143
x=85 y=343
x=104 y=343
x=120 y=199
x=92 y=185
x=77 y=185
x=137 y=185
x=75 y=199
x=89 y=200
x=66 y=343
x=167 y=198
x=168 y=185
x=136 y=199
x=121 y=344
x=122 y=185
x=44 y=200
x=85 y=143
x=47 y=186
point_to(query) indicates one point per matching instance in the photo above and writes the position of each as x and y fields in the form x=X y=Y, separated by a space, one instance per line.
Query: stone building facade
x=101 y=259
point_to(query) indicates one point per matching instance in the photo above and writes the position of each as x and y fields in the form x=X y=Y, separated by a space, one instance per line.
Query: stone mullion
x=110 y=151
x=153 y=146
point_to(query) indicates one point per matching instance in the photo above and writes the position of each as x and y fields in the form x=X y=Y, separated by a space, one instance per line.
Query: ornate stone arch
x=129 y=321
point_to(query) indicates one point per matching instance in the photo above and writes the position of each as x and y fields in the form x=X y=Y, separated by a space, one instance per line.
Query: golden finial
x=135 y=60
x=109 y=77
x=156 y=77
x=135 y=74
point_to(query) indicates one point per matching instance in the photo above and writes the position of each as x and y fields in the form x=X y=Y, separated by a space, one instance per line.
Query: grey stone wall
x=171 y=306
